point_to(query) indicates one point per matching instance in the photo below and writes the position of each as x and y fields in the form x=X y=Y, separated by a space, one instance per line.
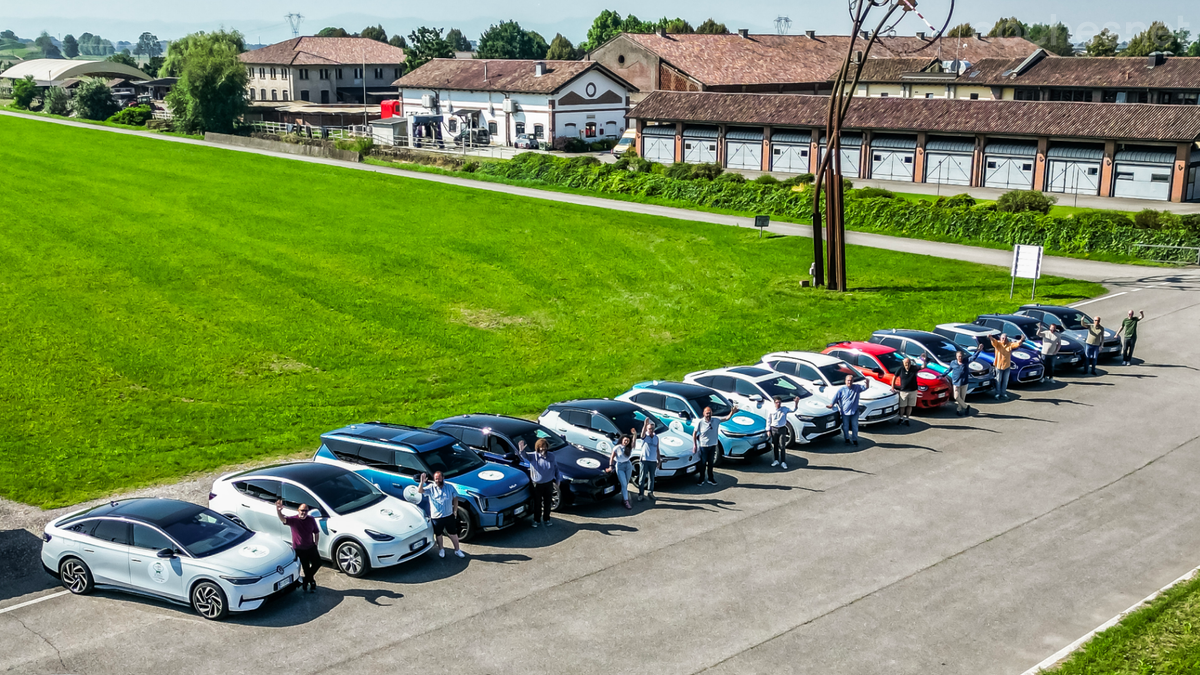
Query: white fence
x=162 y=115
x=446 y=146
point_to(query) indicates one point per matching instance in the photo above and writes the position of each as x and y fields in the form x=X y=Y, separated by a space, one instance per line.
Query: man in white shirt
x=705 y=437
x=777 y=425
x=443 y=503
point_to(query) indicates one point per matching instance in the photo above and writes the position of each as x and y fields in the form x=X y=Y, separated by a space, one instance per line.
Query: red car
x=881 y=363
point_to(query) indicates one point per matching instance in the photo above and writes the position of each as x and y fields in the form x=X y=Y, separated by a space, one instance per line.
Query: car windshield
x=451 y=460
x=346 y=493
x=535 y=434
x=1021 y=331
x=720 y=407
x=1075 y=320
x=835 y=373
x=635 y=419
x=203 y=533
x=893 y=361
x=943 y=350
x=783 y=387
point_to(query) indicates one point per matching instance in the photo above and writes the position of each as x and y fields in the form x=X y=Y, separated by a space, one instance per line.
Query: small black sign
x=762 y=221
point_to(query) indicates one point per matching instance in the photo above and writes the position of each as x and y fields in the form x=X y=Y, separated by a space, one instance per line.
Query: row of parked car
x=361 y=484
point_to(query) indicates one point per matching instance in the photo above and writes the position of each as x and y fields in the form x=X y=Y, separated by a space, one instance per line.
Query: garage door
x=789 y=152
x=658 y=144
x=893 y=157
x=851 y=158
x=1009 y=166
x=1074 y=168
x=700 y=145
x=1143 y=174
x=743 y=149
x=948 y=160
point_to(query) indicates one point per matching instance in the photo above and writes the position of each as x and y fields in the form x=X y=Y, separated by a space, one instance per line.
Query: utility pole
x=294 y=19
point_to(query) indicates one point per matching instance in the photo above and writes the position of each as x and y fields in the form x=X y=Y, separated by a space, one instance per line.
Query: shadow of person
x=609 y=530
x=1059 y=401
x=1143 y=364
x=500 y=558
x=803 y=463
x=963 y=427
x=900 y=446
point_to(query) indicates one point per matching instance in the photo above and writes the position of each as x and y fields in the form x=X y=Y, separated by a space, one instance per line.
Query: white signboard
x=1027 y=262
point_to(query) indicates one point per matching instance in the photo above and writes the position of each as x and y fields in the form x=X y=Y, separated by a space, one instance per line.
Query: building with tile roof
x=324 y=70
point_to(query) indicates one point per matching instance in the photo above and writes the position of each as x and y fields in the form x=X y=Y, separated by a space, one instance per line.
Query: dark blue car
x=497 y=438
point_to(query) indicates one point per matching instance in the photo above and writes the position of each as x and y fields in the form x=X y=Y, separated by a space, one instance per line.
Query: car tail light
x=45 y=536
x=212 y=496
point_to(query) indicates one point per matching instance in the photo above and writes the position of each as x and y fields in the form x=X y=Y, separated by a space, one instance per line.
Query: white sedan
x=753 y=388
x=361 y=527
x=168 y=549
x=825 y=374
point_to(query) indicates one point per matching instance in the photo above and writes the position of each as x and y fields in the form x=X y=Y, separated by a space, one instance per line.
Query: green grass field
x=199 y=307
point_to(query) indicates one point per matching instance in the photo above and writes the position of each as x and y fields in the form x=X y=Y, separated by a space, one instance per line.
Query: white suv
x=825 y=374
x=753 y=387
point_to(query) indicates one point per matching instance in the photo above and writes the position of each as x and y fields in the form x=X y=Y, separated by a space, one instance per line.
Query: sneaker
x=641 y=497
x=651 y=496
x=907 y=423
x=783 y=465
x=548 y=523
x=856 y=444
x=460 y=554
x=312 y=588
x=535 y=523
x=627 y=504
x=775 y=463
x=441 y=553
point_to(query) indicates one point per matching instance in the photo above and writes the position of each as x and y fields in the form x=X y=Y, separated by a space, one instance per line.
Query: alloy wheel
x=74 y=576
x=349 y=559
x=207 y=600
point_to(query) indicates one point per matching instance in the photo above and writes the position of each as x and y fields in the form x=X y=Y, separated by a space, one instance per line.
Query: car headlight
x=378 y=536
x=242 y=581
x=805 y=418
x=921 y=387
x=1025 y=356
x=480 y=500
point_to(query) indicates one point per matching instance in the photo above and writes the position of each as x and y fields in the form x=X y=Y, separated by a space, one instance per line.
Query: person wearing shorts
x=443 y=503
x=905 y=384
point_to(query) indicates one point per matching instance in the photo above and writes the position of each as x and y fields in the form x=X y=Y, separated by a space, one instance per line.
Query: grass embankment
x=206 y=307
x=1162 y=638
x=98 y=123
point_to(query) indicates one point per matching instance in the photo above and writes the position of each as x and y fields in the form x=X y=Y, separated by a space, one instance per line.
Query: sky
x=264 y=21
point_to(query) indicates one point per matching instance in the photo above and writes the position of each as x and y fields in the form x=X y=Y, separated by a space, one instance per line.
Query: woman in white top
x=622 y=464
x=648 y=442
x=1051 y=343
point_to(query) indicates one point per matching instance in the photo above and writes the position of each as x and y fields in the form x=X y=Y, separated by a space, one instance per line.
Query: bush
x=709 y=171
x=23 y=92
x=93 y=100
x=1146 y=219
x=873 y=193
x=1022 y=201
x=361 y=145
x=470 y=167
x=957 y=201
x=1190 y=222
x=57 y=101
x=800 y=179
x=767 y=179
x=602 y=145
x=136 y=116
x=577 y=162
x=731 y=177
x=679 y=171
x=631 y=153
x=568 y=144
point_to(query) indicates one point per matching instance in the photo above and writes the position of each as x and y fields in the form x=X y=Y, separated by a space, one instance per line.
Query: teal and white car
x=679 y=405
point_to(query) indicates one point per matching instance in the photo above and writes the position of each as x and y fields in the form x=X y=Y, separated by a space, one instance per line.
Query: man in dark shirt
x=1129 y=335
x=305 y=535
x=905 y=384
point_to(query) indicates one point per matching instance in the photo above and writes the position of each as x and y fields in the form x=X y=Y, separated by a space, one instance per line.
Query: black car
x=1019 y=327
x=497 y=438
x=937 y=353
x=1074 y=324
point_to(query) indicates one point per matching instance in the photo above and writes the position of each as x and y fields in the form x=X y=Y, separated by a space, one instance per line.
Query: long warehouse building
x=1143 y=151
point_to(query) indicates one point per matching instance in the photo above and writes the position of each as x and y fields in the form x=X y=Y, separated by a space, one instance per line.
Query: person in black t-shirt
x=905 y=384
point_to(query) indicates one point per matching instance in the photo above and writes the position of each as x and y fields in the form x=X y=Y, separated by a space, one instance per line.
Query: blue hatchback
x=393 y=457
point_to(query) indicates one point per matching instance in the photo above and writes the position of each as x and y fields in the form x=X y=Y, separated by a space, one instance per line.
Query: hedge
x=1087 y=232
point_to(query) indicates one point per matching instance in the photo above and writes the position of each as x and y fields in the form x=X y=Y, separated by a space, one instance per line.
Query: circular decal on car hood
x=1024 y=356
x=742 y=420
x=491 y=475
x=671 y=440
x=390 y=514
x=255 y=551
x=588 y=463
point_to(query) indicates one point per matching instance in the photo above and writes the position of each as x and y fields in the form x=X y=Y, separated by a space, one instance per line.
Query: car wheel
x=466 y=528
x=556 y=497
x=720 y=458
x=75 y=576
x=351 y=559
x=209 y=601
x=789 y=436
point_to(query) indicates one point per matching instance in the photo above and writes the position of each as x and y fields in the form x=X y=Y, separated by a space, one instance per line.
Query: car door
x=106 y=552
x=256 y=509
x=150 y=573
x=868 y=365
x=749 y=396
x=293 y=496
x=915 y=350
x=603 y=431
x=806 y=373
x=575 y=426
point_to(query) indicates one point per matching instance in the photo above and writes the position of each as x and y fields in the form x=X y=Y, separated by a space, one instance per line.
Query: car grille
x=514 y=498
x=826 y=422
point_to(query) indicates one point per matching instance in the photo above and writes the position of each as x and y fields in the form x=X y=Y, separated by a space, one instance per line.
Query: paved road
x=977 y=546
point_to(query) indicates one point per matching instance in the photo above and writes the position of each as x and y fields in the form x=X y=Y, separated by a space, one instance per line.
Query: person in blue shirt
x=846 y=401
x=543 y=472
x=960 y=377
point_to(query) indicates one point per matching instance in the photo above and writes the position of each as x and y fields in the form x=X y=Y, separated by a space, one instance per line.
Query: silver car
x=168 y=549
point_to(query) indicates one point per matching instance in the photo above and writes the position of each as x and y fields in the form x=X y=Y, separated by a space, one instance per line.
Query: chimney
x=920 y=35
x=858 y=56
x=744 y=32
x=485 y=71
x=539 y=68
x=662 y=32
x=865 y=34
x=1155 y=59
x=810 y=34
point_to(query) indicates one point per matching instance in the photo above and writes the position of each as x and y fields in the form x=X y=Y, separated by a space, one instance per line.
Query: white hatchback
x=753 y=388
x=825 y=374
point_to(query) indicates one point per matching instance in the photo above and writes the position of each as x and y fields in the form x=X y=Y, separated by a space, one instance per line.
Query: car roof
x=505 y=424
x=868 y=347
x=973 y=329
x=604 y=406
x=414 y=438
x=815 y=358
x=153 y=510
x=305 y=473
x=750 y=371
x=907 y=333
x=683 y=389
x=1012 y=318
x=1053 y=309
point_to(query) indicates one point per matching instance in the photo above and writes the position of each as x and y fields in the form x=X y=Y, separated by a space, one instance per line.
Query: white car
x=361 y=527
x=752 y=388
x=168 y=549
x=825 y=374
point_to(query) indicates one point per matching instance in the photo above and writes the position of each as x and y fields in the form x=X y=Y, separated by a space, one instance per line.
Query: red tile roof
x=509 y=75
x=1093 y=72
x=729 y=59
x=1115 y=121
x=325 y=51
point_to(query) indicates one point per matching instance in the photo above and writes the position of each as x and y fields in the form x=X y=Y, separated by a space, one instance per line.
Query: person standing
x=847 y=401
x=960 y=380
x=706 y=439
x=543 y=471
x=443 y=508
x=305 y=535
x=777 y=426
x=905 y=384
x=1095 y=340
x=1004 y=349
x=1051 y=344
x=649 y=462
x=621 y=463
x=1129 y=335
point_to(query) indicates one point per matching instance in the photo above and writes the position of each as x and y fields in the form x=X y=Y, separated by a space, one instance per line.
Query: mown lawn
x=195 y=307
x=1162 y=638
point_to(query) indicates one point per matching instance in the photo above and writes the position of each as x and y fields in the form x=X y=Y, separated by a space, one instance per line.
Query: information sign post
x=1026 y=264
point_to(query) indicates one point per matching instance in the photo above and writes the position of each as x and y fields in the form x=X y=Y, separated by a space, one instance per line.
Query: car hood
x=1081 y=336
x=259 y=555
x=1020 y=357
x=390 y=516
x=491 y=480
x=744 y=422
x=577 y=462
x=812 y=407
x=672 y=443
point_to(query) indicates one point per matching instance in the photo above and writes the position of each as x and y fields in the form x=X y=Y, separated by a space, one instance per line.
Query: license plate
x=418 y=545
x=283 y=583
x=610 y=489
x=942 y=395
x=519 y=510
x=760 y=446
x=691 y=469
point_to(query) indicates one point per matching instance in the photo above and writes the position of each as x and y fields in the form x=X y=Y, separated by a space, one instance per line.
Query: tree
x=711 y=27
x=507 y=40
x=1010 y=27
x=426 y=44
x=152 y=66
x=177 y=49
x=70 y=47
x=458 y=41
x=1194 y=49
x=46 y=43
x=1156 y=38
x=211 y=92
x=57 y=101
x=24 y=91
x=332 y=32
x=604 y=27
x=1055 y=39
x=8 y=35
x=962 y=30
x=376 y=33
x=147 y=45
x=122 y=58
x=398 y=41
x=632 y=24
x=561 y=49
x=93 y=100
x=1103 y=43
x=676 y=25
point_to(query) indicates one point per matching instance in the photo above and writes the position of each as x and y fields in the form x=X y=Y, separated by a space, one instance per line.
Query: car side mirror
x=685 y=416
x=315 y=513
x=756 y=398
x=166 y=553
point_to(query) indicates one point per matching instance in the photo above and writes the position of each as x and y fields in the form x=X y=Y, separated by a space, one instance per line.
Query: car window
x=865 y=361
x=894 y=343
x=409 y=464
x=578 y=418
x=451 y=460
x=266 y=490
x=892 y=361
x=650 y=400
x=147 y=537
x=966 y=341
x=835 y=373
x=535 y=434
x=456 y=432
x=913 y=349
x=786 y=367
x=498 y=446
x=603 y=424
x=84 y=527
x=676 y=405
x=807 y=372
x=744 y=388
x=783 y=387
x=635 y=419
x=343 y=450
x=203 y=532
x=1012 y=330
x=293 y=496
x=346 y=493
x=116 y=531
x=719 y=405
x=473 y=437
x=373 y=455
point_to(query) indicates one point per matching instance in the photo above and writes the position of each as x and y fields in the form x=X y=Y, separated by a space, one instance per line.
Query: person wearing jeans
x=1129 y=336
x=619 y=462
x=1004 y=349
x=1051 y=344
x=847 y=401
x=1095 y=340
x=649 y=463
x=777 y=424
x=706 y=439
x=960 y=380
x=543 y=471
